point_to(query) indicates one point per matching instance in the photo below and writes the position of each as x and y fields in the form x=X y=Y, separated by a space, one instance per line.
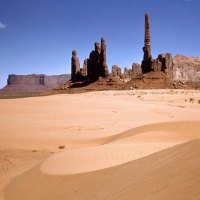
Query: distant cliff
x=186 y=68
x=34 y=82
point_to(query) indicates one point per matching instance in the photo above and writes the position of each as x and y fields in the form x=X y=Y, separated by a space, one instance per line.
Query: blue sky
x=37 y=36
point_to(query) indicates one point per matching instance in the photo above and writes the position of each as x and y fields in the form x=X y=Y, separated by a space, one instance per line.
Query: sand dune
x=79 y=173
x=117 y=145
x=83 y=119
x=125 y=147
x=161 y=132
x=170 y=174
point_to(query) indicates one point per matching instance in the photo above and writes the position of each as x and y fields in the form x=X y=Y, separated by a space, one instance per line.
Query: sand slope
x=122 y=148
x=118 y=145
x=170 y=174
x=131 y=164
x=82 y=119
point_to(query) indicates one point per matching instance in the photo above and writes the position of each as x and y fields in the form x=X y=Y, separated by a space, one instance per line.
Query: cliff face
x=186 y=68
x=34 y=82
x=25 y=79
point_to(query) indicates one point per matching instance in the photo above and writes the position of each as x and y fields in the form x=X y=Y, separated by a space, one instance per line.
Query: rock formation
x=34 y=82
x=163 y=63
x=75 y=66
x=147 y=58
x=127 y=73
x=85 y=67
x=116 y=71
x=97 y=61
x=94 y=62
x=163 y=67
x=169 y=64
x=186 y=68
x=94 y=67
x=103 y=64
x=136 y=70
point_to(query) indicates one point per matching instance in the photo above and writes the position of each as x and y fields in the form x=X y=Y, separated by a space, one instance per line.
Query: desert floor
x=136 y=144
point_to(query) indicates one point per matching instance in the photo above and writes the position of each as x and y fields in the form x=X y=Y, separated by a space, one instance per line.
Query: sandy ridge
x=103 y=134
x=125 y=147
x=172 y=173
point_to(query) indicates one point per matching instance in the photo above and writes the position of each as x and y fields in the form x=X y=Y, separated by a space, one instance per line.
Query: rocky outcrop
x=181 y=68
x=186 y=68
x=116 y=71
x=127 y=74
x=97 y=65
x=94 y=62
x=75 y=66
x=34 y=82
x=103 y=64
x=147 y=58
x=85 y=68
x=136 y=70
x=25 y=79
x=164 y=63
x=168 y=64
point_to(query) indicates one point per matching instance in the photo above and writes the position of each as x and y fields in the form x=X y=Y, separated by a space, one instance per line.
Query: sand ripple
x=130 y=145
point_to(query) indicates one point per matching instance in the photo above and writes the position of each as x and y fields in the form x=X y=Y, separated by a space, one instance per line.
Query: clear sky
x=37 y=36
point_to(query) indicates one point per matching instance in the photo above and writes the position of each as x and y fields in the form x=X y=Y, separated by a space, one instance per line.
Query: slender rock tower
x=147 y=58
x=75 y=65
x=85 y=67
x=94 y=62
x=103 y=67
x=97 y=66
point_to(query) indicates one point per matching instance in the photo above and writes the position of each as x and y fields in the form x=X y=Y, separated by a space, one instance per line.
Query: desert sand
x=136 y=144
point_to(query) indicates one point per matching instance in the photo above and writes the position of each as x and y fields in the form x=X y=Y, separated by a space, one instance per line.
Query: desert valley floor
x=136 y=144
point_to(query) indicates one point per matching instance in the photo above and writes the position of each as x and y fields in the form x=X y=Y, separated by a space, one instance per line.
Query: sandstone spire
x=147 y=58
x=104 y=67
x=94 y=62
x=147 y=41
x=75 y=65
x=97 y=61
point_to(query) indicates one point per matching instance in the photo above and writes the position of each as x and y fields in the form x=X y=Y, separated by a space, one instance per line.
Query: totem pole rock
x=94 y=62
x=75 y=65
x=103 y=65
x=85 y=67
x=147 y=58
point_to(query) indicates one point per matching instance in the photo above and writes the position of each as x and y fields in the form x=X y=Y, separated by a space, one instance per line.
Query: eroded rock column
x=147 y=58
x=75 y=65
x=103 y=65
x=94 y=62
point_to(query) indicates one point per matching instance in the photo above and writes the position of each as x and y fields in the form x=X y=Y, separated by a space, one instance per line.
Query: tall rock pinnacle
x=104 y=67
x=75 y=65
x=147 y=58
x=147 y=41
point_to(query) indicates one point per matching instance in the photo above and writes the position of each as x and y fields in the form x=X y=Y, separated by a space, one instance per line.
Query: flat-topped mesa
x=34 y=82
x=147 y=58
x=75 y=66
